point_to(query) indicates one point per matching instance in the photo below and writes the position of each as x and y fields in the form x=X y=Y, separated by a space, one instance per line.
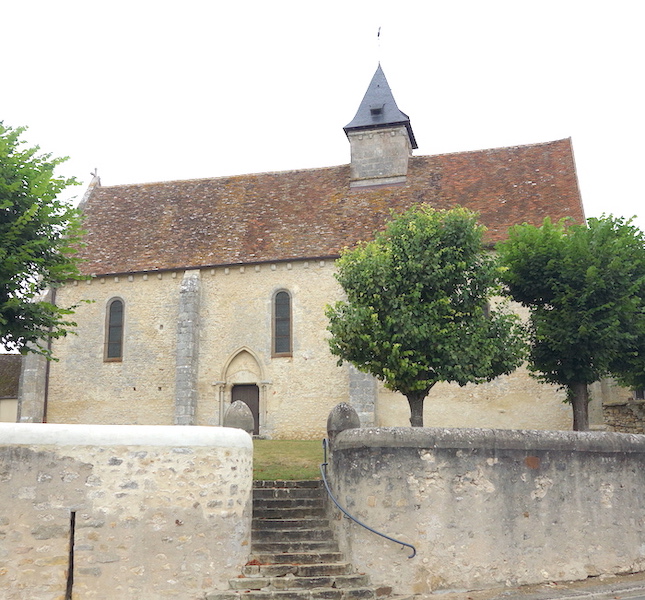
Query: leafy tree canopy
x=37 y=237
x=417 y=311
x=585 y=288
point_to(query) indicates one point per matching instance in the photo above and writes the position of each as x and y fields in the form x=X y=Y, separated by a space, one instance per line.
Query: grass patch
x=287 y=459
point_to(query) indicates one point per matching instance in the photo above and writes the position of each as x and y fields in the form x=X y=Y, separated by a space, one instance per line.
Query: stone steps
x=290 y=581
x=296 y=558
x=292 y=524
x=288 y=493
x=302 y=569
x=287 y=483
x=289 y=514
x=314 y=594
x=280 y=502
x=293 y=534
x=293 y=553
x=294 y=547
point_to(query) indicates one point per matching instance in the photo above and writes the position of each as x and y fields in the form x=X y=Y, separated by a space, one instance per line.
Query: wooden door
x=250 y=395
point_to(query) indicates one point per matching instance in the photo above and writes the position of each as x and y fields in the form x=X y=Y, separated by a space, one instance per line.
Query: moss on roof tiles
x=313 y=213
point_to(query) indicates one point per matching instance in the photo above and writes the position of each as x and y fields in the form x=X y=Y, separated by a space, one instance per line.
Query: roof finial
x=378 y=45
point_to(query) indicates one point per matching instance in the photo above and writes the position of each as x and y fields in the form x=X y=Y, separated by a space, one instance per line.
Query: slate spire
x=378 y=109
x=380 y=137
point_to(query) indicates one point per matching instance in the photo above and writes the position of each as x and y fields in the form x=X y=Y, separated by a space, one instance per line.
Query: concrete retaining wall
x=153 y=512
x=490 y=507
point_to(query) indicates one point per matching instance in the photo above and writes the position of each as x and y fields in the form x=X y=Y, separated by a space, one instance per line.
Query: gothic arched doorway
x=250 y=395
x=242 y=379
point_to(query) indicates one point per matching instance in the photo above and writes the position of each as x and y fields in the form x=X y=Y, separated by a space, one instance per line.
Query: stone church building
x=207 y=291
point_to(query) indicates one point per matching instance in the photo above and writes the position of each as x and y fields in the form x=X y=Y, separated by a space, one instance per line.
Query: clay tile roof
x=313 y=213
x=10 y=365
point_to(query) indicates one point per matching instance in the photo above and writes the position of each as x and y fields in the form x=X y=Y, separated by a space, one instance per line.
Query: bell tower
x=380 y=137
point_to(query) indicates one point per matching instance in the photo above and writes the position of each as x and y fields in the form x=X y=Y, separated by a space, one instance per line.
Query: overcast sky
x=155 y=90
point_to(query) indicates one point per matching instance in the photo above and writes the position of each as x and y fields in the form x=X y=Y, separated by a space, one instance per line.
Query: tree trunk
x=415 y=400
x=580 y=403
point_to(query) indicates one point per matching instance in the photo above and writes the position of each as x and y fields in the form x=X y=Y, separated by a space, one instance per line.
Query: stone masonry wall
x=489 y=507
x=379 y=156
x=139 y=511
x=514 y=401
x=627 y=418
x=297 y=391
x=187 y=351
x=363 y=393
x=181 y=360
x=139 y=389
x=622 y=410
x=235 y=319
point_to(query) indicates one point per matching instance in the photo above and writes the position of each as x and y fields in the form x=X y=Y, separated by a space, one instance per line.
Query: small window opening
x=114 y=334
x=282 y=324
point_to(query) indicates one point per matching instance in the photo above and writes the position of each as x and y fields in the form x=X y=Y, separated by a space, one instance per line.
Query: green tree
x=585 y=288
x=417 y=307
x=38 y=233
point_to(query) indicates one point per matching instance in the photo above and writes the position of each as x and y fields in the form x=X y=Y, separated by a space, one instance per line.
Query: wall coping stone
x=122 y=435
x=494 y=439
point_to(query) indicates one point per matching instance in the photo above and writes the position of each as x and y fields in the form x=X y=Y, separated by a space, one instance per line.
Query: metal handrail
x=323 y=472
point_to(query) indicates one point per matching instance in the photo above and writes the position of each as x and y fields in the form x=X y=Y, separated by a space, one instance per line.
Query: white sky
x=155 y=90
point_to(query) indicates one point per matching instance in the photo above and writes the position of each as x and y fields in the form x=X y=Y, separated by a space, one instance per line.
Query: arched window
x=114 y=330
x=281 y=324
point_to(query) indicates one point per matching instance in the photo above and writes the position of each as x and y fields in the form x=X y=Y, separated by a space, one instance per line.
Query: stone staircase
x=293 y=553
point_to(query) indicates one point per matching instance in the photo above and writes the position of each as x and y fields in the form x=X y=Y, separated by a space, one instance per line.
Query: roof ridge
x=240 y=175
x=310 y=169
x=496 y=148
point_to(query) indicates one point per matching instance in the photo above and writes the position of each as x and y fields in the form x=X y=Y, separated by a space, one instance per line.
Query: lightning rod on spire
x=378 y=45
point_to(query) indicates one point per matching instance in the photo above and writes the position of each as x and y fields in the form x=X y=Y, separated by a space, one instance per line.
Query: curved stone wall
x=490 y=507
x=132 y=511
